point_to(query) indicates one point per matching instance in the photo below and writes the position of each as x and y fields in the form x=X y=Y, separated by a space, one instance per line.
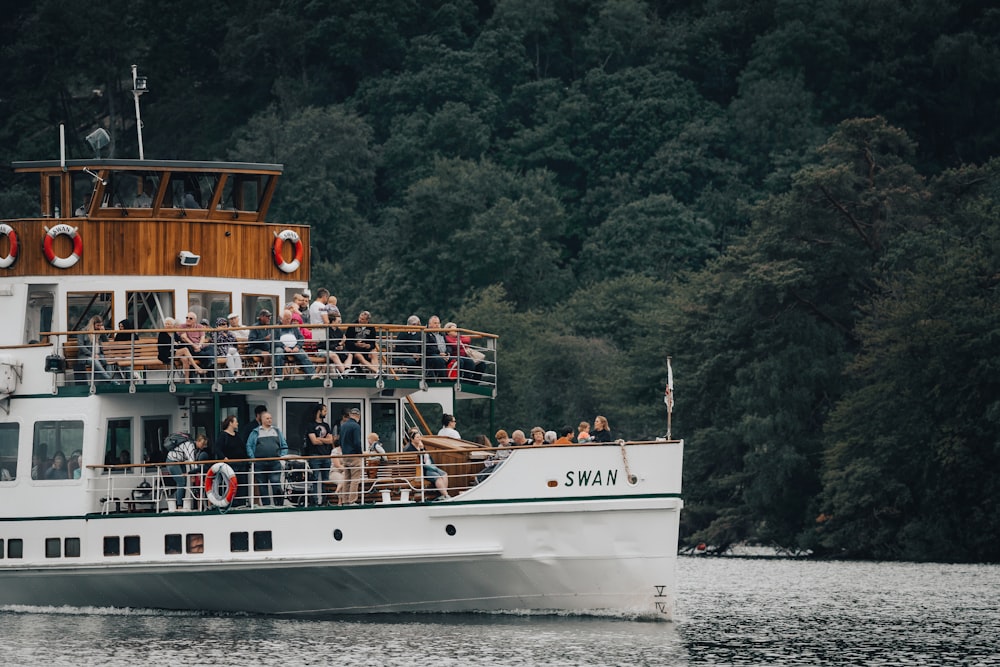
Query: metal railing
x=398 y=353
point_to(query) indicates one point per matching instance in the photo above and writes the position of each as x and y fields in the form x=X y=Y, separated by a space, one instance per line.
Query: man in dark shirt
x=251 y=424
x=351 y=446
x=318 y=441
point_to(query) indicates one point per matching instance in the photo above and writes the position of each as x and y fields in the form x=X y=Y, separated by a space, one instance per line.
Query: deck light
x=188 y=258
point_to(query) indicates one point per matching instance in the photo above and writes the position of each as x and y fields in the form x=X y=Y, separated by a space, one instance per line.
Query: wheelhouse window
x=147 y=310
x=81 y=306
x=210 y=305
x=9 y=434
x=130 y=189
x=190 y=190
x=54 y=442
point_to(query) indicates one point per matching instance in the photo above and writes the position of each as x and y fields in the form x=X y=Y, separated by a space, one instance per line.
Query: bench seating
x=141 y=357
x=399 y=479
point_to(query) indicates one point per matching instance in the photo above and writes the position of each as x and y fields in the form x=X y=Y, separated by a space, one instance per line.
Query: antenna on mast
x=138 y=88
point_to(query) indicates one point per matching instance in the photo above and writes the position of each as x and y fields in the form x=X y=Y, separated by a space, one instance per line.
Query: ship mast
x=138 y=88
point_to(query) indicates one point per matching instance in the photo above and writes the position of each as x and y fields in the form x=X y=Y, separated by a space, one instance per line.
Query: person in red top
x=458 y=347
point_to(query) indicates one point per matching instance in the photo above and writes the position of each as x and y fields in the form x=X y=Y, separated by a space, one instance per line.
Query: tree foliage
x=797 y=202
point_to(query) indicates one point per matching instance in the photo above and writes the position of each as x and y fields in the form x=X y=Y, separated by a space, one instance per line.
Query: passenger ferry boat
x=584 y=528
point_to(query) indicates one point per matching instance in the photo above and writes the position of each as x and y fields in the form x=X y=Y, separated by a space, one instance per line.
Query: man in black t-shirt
x=318 y=441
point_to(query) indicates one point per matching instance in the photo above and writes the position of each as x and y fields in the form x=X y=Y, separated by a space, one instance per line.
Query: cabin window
x=385 y=422
x=239 y=541
x=154 y=431
x=210 y=305
x=172 y=543
x=195 y=543
x=15 y=548
x=9 y=434
x=254 y=303
x=81 y=306
x=262 y=540
x=71 y=547
x=53 y=444
x=299 y=422
x=39 y=313
x=118 y=444
x=53 y=547
x=131 y=545
x=147 y=310
x=112 y=545
x=336 y=411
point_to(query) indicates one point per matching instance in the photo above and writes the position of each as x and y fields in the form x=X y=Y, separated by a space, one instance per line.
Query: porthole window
x=239 y=542
x=262 y=540
x=71 y=547
x=132 y=545
x=15 y=548
x=172 y=544
x=112 y=546
x=53 y=547
x=195 y=543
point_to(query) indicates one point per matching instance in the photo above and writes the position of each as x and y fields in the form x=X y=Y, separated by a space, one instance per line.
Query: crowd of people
x=309 y=336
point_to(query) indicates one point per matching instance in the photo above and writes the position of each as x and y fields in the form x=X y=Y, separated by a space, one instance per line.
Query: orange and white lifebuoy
x=213 y=482
x=8 y=261
x=50 y=254
x=279 y=247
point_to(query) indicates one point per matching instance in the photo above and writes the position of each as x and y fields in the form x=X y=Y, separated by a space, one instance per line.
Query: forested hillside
x=796 y=201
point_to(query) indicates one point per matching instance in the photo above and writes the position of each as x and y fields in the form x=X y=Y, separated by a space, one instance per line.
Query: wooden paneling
x=137 y=246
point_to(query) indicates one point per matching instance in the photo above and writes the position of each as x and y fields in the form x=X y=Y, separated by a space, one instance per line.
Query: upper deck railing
x=401 y=356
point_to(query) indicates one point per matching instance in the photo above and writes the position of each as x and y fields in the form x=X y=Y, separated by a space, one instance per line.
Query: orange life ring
x=220 y=469
x=279 y=246
x=62 y=262
x=8 y=261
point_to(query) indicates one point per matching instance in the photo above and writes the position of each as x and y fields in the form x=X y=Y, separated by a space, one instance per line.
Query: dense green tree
x=908 y=447
x=776 y=318
x=328 y=180
x=604 y=183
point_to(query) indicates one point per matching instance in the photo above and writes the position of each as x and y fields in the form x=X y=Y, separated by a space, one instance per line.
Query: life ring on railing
x=8 y=261
x=217 y=471
x=62 y=262
x=279 y=246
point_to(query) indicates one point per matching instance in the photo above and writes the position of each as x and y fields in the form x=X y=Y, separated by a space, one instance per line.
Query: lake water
x=730 y=612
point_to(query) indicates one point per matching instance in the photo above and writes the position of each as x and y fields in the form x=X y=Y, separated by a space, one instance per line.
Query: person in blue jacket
x=268 y=442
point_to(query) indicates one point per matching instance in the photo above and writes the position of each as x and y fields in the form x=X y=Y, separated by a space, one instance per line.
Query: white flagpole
x=668 y=396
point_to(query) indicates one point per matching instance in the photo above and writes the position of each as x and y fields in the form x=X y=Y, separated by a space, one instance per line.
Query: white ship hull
x=606 y=562
x=608 y=549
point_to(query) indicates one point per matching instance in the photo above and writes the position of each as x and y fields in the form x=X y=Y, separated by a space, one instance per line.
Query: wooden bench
x=138 y=355
x=398 y=477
